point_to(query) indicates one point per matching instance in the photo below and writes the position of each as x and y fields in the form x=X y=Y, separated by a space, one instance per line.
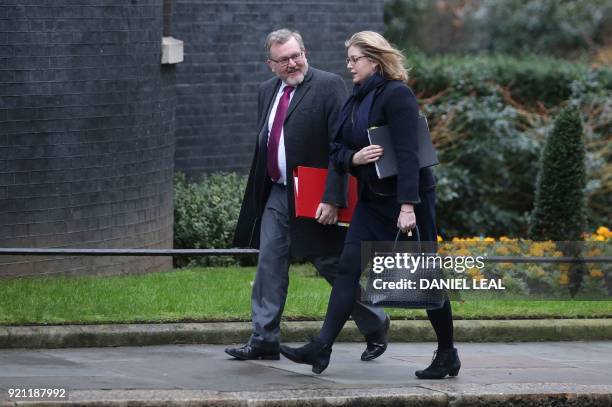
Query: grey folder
x=386 y=166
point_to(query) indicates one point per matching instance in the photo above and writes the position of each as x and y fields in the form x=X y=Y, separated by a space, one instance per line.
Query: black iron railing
x=241 y=252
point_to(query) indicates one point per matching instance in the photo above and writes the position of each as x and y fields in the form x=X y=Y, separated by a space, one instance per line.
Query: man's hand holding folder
x=309 y=186
x=327 y=214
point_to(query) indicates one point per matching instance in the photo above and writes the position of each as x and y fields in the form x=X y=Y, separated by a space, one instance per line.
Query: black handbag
x=375 y=292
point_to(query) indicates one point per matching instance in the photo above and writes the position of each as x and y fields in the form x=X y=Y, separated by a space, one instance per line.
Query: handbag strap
x=418 y=236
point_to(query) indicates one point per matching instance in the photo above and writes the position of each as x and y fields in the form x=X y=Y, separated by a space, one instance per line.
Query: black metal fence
x=243 y=252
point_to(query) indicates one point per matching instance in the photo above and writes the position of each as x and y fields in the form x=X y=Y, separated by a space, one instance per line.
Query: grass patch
x=218 y=294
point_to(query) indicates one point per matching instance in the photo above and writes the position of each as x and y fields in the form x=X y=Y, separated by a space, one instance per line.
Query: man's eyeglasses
x=284 y=62
x=353 y=60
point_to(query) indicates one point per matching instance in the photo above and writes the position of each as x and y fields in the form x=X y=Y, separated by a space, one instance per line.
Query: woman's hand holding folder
x=367 y=155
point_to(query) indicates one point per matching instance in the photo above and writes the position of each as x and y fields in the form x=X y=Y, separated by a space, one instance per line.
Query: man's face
x=288 y=62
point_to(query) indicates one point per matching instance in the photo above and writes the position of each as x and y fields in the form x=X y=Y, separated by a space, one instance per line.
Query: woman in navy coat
x=380 y=97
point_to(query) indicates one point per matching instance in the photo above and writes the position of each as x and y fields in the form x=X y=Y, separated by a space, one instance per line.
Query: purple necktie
x=275 y=133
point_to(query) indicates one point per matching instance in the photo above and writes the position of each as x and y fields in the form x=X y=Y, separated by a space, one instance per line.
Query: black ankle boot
x=315 y=353
x=445 y=362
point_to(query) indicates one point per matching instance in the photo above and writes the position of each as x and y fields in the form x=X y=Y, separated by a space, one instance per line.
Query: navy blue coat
x=394 y=105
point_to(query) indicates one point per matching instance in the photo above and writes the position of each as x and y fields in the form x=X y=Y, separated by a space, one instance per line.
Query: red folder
x=309 y=186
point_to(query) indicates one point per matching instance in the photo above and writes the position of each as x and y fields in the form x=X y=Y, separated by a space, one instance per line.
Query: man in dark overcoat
x=297 y=112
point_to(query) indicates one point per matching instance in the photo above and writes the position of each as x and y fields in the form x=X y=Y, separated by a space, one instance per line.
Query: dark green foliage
x=489 y=117
x=490 y=96
x=529 y=80
x=592 y=93
x=559 y=212
x=205 y=214
x=404 y=20
x=563 y=28
x=485 y=184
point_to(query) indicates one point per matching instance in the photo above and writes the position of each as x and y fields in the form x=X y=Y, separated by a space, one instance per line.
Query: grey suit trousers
x=272 y=278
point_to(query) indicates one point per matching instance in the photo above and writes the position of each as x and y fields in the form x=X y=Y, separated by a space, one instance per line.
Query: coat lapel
x=269 y=99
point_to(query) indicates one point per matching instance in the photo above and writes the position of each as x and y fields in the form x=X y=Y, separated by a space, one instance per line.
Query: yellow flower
x=563 y=279
x=462 y=252
x=473 y=271
x=536 y=250
x=477 y=276
x=596 y=274
x=600 y=238
x=539 y=249
x=502 y=251
x=440 y=239
x=594 y=252
x=537 y=271
x=604 y=231
x=489 y=239
x=514 y=248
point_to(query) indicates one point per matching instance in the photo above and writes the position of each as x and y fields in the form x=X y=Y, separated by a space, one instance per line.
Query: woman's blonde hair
x=376 y=47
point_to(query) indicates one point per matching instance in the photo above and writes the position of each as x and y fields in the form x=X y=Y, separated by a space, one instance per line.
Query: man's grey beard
x=298 y=80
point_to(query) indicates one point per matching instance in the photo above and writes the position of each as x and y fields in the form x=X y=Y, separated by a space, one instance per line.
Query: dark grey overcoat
x=309 y=128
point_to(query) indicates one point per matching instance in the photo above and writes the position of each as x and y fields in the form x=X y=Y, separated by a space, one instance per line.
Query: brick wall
x=87 y=113
x=86 y=133
x=224 y=64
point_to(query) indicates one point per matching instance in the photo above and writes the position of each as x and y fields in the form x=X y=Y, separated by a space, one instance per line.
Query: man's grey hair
x=282 y=36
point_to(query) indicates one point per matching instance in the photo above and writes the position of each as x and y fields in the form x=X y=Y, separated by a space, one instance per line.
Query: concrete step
x=61 y=336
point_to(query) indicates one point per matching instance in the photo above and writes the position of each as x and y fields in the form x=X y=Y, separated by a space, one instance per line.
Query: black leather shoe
x=250 y=352
x=377 y=342
x=445 y=362
x=314 y=353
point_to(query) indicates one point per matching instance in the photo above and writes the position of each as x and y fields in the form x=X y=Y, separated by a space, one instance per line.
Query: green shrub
x=591 y=94
x=205 y=215
x=490 y=108
x=563 y=28
x=555 y=27
x=489 y=117
x=559 y=210
x=485 y=182
x=529 y=80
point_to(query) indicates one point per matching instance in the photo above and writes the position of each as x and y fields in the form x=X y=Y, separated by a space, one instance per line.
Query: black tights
x=345 y=292
x=442 y=321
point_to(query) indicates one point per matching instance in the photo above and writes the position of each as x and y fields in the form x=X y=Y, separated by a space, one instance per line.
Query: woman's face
x=360 y=66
